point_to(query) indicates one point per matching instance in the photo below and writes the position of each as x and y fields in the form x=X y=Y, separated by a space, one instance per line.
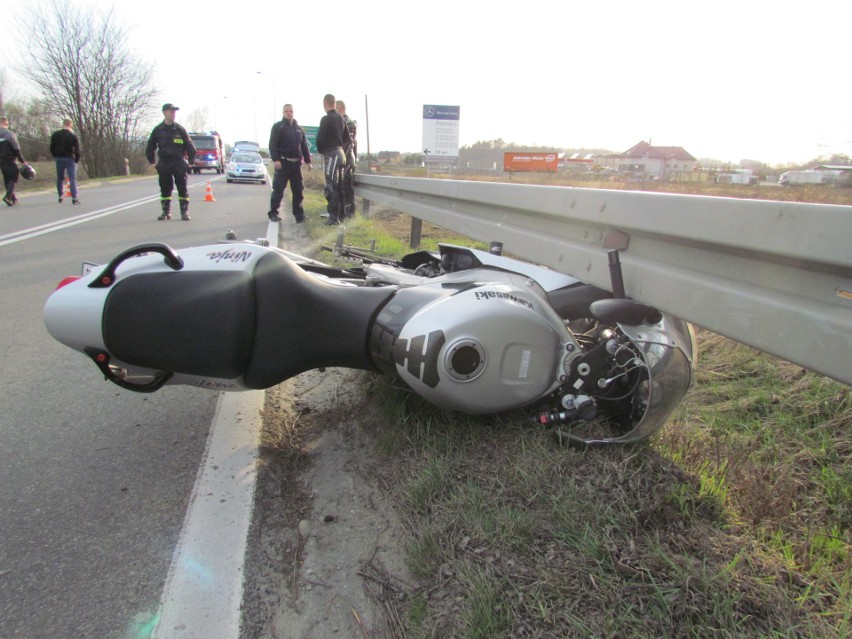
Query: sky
x=728 y=80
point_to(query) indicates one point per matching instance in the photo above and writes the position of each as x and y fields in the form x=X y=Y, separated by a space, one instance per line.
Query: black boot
x=184 y=210
x=166 y=214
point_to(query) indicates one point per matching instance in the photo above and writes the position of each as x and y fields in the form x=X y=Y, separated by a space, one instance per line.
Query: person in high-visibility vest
x=174 y=149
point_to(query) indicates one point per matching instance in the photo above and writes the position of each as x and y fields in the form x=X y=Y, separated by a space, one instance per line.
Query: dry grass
x=735 y=521
x=809 y=193
x=512 y=535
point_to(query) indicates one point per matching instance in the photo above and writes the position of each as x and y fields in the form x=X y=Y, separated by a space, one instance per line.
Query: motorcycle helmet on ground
x=27 y=171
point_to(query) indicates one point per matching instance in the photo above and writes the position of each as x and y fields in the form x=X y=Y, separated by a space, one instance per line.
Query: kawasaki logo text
x=487 y=295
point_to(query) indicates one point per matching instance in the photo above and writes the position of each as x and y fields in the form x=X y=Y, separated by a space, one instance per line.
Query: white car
x=247 y=167
x=246 y=145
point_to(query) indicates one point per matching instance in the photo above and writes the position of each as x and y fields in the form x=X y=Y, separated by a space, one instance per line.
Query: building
x=576 y=161
x=845 y=169
x=651 y=162
x=388 y=157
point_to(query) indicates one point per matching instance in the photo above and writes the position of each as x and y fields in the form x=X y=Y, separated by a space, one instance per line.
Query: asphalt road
x=94 y=480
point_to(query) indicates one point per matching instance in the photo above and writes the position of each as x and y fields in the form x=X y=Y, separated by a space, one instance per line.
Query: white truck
x=796 y=178
x=736 y=176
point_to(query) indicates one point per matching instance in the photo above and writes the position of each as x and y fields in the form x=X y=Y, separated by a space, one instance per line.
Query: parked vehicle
x=467 y=330
x=247 y=167
x=795 y=178
x=210 y=152
x=245 y=145
x=736 y=176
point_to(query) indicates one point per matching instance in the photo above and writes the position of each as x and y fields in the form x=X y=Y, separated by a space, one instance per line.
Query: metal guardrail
x=776 y=276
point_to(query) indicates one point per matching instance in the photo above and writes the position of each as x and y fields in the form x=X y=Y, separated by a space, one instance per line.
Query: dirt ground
x=324 y=556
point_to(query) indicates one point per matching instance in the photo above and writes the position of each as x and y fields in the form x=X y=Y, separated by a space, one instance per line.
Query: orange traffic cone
x=67 y=187
x=209 y=195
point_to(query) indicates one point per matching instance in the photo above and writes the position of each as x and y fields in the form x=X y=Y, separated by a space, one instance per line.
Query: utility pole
x=367 y=118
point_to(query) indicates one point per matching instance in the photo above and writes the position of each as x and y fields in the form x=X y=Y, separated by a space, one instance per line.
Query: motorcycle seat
x=304 y=323
x=193 y=322
x=264 y=325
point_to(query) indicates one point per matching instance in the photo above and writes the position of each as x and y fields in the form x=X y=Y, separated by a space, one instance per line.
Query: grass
x=734 y=521
x=46 y=177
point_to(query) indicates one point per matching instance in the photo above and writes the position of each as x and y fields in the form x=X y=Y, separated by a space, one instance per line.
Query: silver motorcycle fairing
x=478 y=341
x=454 y=259
x=77 y=315
x=663 y=351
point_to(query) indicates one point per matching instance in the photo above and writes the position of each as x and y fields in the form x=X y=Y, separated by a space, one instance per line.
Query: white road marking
x=25 y=234
x=35 y=231
x=204 y=589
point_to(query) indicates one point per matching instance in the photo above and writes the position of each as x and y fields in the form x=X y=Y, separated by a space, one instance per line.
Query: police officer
x=347 y=185
x=175 y=149
x=288 y=148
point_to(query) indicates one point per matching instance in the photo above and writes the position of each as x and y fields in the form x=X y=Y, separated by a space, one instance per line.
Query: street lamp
x=273 y=93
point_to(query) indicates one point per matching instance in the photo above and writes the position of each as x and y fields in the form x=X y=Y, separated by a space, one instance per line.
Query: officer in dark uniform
x=175 y=149
x=288 y=148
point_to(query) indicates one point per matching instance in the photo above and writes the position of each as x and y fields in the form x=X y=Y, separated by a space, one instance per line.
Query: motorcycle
x=466 y=329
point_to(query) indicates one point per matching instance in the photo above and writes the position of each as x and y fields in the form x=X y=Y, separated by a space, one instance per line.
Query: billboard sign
x=531 y=162
x=311 y=138
x=440 y=133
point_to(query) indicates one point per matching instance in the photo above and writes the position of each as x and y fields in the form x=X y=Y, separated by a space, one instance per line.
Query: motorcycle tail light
x=68 y=280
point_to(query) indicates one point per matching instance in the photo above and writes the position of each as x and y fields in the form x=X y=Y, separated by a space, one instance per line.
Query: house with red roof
x=650 y=162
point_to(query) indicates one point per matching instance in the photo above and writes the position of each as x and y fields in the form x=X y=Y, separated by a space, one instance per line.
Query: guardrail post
x=365 y=207
x=416 y=232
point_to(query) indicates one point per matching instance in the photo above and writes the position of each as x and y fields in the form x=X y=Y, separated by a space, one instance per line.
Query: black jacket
x=352 y=127
x=64 y=144
x=332 y=133
x=287 y=140
x=9 y=147
x=171 y=141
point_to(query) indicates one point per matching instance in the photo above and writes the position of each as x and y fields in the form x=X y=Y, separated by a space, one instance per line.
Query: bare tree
x=197 y=119
x=3 y=82
x=80 y=61
x=31 y=121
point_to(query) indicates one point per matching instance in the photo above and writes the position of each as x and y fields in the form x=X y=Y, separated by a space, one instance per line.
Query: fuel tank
x=477 y=341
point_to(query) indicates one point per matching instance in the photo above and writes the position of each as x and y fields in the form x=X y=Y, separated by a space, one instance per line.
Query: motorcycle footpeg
x=625 y=311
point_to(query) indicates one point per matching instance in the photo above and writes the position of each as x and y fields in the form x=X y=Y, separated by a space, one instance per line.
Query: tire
x=229 y=180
